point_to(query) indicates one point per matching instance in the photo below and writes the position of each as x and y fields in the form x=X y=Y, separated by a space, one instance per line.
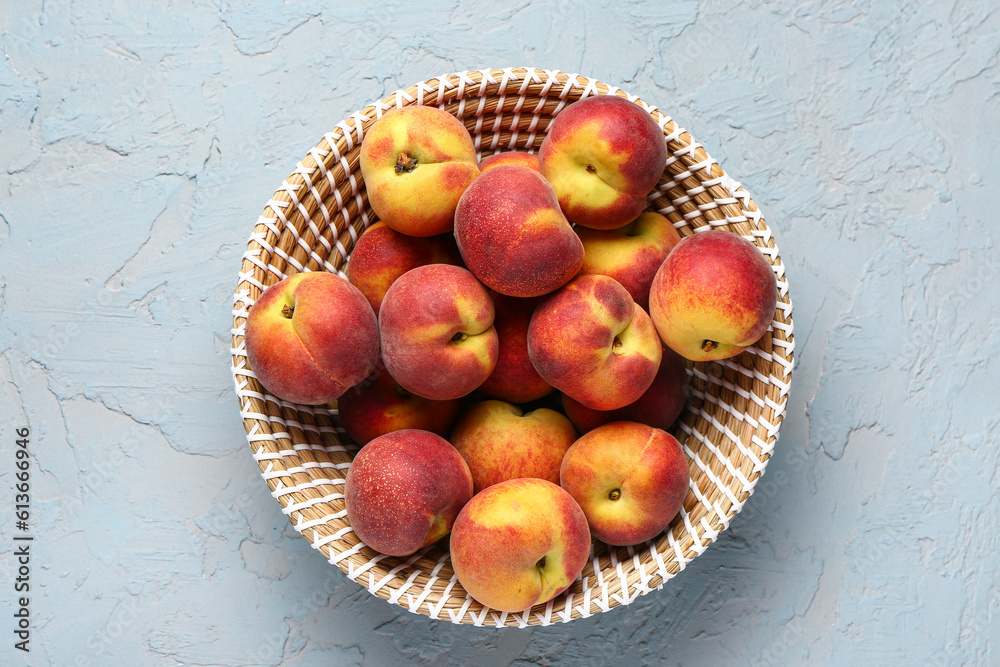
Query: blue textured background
x=138 y=145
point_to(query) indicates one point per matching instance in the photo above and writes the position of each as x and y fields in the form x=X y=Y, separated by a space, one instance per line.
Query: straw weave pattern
x=728 y=430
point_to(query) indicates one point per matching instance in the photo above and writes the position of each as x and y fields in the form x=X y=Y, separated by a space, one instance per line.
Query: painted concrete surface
x=138 y=145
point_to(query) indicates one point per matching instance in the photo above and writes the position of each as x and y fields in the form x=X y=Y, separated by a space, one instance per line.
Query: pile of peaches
x=509 y=348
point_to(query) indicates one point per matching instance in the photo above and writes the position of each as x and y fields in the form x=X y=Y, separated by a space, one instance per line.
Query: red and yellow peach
x=438 y=339
x=591 y=341
x=713 y=297
x=603 y=155
x=659 y=406
x=519 y=543
x=311 y=336
x=513 y=236
x=416 y=162
x=404 y=491
x=521 y=158
x=501 y=441
x=514 y=379
x=631 y=254
x=629 y=478
x=380 y=405
x=382 y=254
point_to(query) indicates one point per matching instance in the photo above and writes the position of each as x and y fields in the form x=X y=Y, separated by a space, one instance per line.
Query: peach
x=713 y=297
x=311 y=336
x=513 y=236
x=404 y=491
x=382 y=254
x=630 y=254
x=590 y=340
x=519 y=543
x=379 y=405
x=630 y=479
x=500 y=441
x=603 y=155
x=416 y=162
x=514 y=379
x=528 y=160
x=659 y=406
x=438 y=338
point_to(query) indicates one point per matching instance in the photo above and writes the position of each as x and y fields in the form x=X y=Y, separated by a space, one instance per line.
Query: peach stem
x=405 y=163
x=616 y=346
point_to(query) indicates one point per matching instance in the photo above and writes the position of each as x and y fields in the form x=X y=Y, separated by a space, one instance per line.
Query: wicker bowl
x=727 y=431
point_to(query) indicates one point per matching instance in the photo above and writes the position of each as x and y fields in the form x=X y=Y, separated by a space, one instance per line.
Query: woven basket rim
x=728 y=430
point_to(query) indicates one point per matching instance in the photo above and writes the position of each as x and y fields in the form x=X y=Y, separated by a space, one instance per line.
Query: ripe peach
x=438 y=339
x=659 y=406
x=528 y=160
x=311 y=336
x=416 y=162
x=519 y=543
x=513 y=236
x=404 y=490
x=603 y=155
x=500 y=441
x=591 y=341
x=514 y=379
x=630 y=254
x=713 y=297
x=382 y=254
x=379 y=405
x=630 y=479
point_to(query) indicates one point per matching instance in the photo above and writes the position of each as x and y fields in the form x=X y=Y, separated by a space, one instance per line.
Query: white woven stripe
x=567 y=613
x=354 y=571
x=602 y=603
x=304 y=468
x=584 y=609
x=414 y=603
x=398 y=593
x=374 y=585
x=319 y=542
x=435 y=610
x=679 y=557
x=705 y=469
x=707 y=443
x=696 y=544
x=299 y=488
x=301 y=525
x=345 y=555
x=311 y=502
x=545 y=618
